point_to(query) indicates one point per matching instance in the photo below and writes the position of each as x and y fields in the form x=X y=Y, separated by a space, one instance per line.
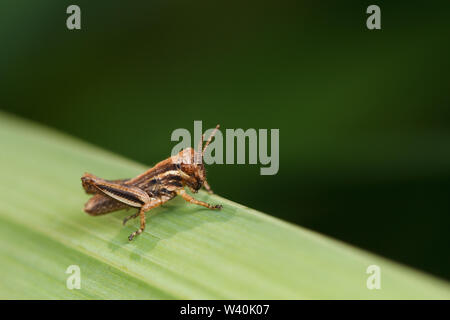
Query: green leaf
x=186 y=251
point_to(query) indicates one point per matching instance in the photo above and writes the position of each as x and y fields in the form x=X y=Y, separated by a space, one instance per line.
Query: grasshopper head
x=191 y=164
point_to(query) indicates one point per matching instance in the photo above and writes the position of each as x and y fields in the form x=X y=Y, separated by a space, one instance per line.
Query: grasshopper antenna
x=210 y=138
x=198 y=152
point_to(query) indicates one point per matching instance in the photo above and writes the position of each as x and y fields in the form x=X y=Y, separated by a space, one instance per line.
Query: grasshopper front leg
x=190 y=199
x=207 y=187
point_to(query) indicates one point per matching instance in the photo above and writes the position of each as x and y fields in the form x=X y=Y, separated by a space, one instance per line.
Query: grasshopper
x=159 y=184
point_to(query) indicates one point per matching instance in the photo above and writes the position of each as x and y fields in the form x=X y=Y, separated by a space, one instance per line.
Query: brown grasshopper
x=152 y=188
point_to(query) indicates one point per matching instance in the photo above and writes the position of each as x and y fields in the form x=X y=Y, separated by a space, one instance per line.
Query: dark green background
x=363 y=115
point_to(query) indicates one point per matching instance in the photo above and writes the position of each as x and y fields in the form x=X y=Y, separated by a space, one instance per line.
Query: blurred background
x=364 y=116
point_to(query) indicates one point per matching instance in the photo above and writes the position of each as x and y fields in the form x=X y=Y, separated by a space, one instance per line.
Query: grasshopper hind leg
x=146 y=207
x=133 y=216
